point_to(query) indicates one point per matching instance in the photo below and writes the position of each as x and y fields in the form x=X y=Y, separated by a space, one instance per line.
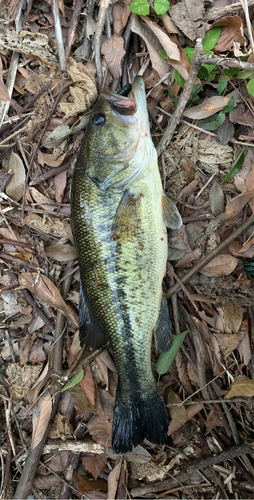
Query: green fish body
x=119 y=218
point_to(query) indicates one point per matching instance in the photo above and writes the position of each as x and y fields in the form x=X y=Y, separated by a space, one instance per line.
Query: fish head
x=118 y=138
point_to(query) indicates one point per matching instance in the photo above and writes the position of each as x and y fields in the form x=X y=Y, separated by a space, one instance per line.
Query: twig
x=39 y=141
x=72 y=28
x=205 y=260
x=35 y=97
x=97 y=38
x=53 y=172
x=179 y=281
x=248 y=23
x=185 y=96
x=225 y=62
x=62 y=479
x=13 y=135
x=217 y=12
x=59 y=35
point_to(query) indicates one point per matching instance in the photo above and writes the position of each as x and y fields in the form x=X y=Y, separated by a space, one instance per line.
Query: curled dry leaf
x=222 y=265
x=45 y=290
x=113 y=51
x=15 y=188
x=178 y=413
x=40 y=422
x=113 y=479
x=153 y=46
x=242 y=386
x=63 y=253
x=83 y=91
x=40 y=199
x=191 y=411
x=121 y=12
x=49 y=159
x=207 y=108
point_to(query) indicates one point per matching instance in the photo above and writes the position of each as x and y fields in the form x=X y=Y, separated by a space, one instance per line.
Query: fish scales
x=121 y=239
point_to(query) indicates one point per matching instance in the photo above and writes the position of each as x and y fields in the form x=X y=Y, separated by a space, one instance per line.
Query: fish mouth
x=128 y=105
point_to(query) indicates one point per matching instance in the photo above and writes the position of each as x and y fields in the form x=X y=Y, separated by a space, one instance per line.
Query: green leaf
x=243 y=75
x=230 y=105
x=166 y=359
x=236 y=167
x=222 y=85
x=250 y=87
x=140 y=7
x=163 y=54
x=232 y=71
x=203 y=73
x=73 y=381
x=249 y=268
x=211 y=38
x=196 y=89
x=189 y=51
x=213 y=122
x=161 y=6
x=209 y=67
x=178 y=78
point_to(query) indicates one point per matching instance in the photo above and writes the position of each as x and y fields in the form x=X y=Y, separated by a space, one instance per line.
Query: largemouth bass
x=119 y=219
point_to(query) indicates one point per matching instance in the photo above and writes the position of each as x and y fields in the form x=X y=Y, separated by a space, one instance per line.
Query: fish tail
x=138 y=417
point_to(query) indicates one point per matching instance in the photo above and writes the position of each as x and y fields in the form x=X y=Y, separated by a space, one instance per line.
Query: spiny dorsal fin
x=170 y=214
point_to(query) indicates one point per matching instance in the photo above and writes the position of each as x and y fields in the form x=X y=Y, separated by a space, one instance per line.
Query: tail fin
x=142 y=416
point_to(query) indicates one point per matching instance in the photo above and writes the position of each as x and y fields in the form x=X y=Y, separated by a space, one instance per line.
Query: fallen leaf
x=235 y=206
x=121 y=12
x=195 y=8
x=60 y=185
x=33 y=45
x=191 y=411
x=45 y=290
x=41 y=421
x=63 y=253
x=100 y=429
x=41 y=381
x=244 y=348
x=228 y=342
x=4 y=94
x=242 y=386
x=21 y=378
x=87 y=384
x=15 y=188
x=49 y=159
x=216 y=197
x=193 y=374
x=189 y=258
x=181 y=16
x=49 y=225
x=214 y=419
x=86 y=484
x=95 y=464
x=82 y=400
x=153 y=46
x=232 y=31
x=40 y=199
x=178 y=413
x=222 y=265
x=113 y=51
x=113 y=479
x=207 y=108
x=83 y=91
x=233 y=315
x=242 y=115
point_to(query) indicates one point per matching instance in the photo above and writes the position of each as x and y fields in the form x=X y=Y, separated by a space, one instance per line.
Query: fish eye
x=99 y=119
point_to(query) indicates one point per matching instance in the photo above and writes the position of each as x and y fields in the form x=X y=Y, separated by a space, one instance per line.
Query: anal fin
x=170 y=214
x=91 y=332
x=163 y=330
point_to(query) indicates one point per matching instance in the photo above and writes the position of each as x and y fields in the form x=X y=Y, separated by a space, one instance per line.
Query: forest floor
x=56 y=396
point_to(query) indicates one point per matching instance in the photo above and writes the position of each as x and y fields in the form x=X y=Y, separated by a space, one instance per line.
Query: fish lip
x=121 y=104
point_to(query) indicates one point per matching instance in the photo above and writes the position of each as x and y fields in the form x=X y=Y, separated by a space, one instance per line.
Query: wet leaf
x=45 y=290
x=216 y=197
x=40 y=422
x=113 y=479
x=178 y=413
x=242 y=386
x=208 y=108
x=63 y=253
x=16 y=185
x=166 y=359
x=236 y=167
x=73 y=381
x=113 y=51
x=225 y=132
x=222 y=265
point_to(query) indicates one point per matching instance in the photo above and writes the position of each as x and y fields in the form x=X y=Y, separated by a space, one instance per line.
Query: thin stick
x=35 y=97
x=205 y=260
x=97 y=39
x=72 y=28
x=217 y=12
x=170 y=268
x=59 y=35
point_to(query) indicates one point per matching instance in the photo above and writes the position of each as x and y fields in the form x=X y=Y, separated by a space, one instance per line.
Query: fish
x=120 y=216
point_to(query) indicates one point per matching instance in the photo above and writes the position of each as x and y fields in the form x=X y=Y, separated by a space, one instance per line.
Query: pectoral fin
x=163 y=330
x=128 y=216
x=171 y=216
x=90 y=331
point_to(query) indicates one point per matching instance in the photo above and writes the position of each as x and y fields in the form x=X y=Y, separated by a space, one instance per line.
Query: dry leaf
x=153 y=46
x=21 y=378
x=181 y=16
x=95 y=464
x=4 y=94
x=100 y=429
x=195 y=8
x=233 y=315
x=242 y=386
x=193 y=374
x=228 y=342
x=216 y=197
x=232 y=32
x=82 y=400
x=49 y=159
x=49 y=225
x=41 y=421
x=242 y=115
x=191 y=411
x=85 y=484
x=60 y=185
x=121 y=12
x=83 y=91
x=235 y=207
x=16 y=185
x=40 y=199
x=222 y=265
x=63 y=253
x=87 y=384
x=214 y=419
x=178 y=413
x=113 y=51
x=45 y=290
x=244 y=346
x=41 y=381
x=33 y=45
x=113 y=479
x=207 y=108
